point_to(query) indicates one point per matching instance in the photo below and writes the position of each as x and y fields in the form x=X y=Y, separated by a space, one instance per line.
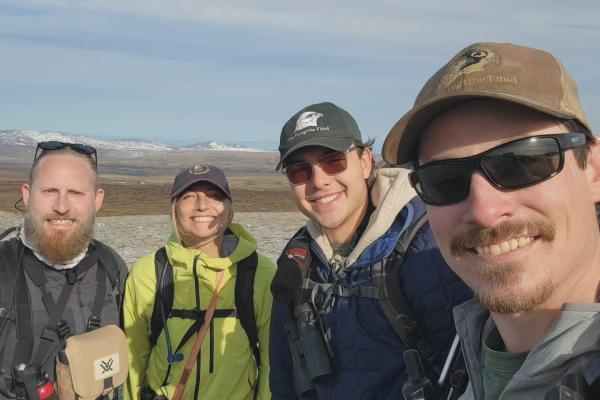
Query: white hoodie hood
x=390 y=192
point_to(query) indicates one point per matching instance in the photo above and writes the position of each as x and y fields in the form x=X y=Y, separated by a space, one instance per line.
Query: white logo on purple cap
x=306 y=119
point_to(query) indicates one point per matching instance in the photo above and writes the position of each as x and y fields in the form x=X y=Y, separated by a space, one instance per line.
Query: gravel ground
x=135 y=236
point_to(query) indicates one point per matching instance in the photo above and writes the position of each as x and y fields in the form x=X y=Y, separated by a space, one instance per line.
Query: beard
x=500 y=299
x=500 y=278
x=60 y=246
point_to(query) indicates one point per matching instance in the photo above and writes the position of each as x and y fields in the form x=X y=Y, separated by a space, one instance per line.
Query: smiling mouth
x=504 y=247
x=203 y=219
x=327 y=199
x=62 y=222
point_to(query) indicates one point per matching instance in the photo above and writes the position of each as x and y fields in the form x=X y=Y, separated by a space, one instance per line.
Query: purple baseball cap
x=200 y=173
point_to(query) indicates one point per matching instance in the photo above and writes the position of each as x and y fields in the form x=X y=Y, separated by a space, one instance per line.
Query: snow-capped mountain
x=214 y=145
x=31 y=138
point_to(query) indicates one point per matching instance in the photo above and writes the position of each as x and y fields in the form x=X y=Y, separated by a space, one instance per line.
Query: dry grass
x=149 y=195
x=139 y=183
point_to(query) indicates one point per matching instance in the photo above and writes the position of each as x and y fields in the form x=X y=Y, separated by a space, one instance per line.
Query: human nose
x=61 y=203
x=319 y=177
x=487 y=205
x=201 y=201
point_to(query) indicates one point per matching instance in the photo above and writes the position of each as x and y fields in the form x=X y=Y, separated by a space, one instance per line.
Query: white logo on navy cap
x=199 y=169
x=306 y=119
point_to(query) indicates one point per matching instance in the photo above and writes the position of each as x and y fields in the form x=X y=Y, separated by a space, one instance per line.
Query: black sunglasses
x=331 y=163
x=517 y=164
x=78 y=147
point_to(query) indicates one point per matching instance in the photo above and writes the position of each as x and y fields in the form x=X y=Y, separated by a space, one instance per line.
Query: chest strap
x=56 y=327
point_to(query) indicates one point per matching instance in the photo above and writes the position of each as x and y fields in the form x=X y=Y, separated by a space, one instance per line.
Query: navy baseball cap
x=200 y=173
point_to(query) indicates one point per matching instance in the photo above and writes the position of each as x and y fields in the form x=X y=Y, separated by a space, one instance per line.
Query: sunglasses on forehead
x=55 y=145
x=331 y=163
x=517 y=164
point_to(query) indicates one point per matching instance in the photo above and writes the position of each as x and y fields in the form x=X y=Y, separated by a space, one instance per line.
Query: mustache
x=504 y=231
x=55 y=215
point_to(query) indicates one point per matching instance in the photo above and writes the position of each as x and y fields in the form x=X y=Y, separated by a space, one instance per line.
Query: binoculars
x=311 y=355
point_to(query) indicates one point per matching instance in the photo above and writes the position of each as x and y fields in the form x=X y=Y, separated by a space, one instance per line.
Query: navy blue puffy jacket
x=368 y=360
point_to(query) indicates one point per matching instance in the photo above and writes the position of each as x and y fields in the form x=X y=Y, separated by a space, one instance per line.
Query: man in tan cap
x=509 y=168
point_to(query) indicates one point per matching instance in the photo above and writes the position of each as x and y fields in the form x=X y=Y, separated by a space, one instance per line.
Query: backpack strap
x=244 y=301
x=109 y=263
x=10 y=259
x=9 y=231
x=56 y=326
x=163 y=300
x=292 y=266
x=394 y=304
x=244 y=304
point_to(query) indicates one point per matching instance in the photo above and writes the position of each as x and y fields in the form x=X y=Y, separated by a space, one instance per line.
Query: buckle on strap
x=93 y=322
x=62 y=330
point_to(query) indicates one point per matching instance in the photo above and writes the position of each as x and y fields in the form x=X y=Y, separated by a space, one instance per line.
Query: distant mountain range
x=31 y=138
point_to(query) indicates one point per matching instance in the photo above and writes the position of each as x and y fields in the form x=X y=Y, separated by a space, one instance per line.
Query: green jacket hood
x=183 y=258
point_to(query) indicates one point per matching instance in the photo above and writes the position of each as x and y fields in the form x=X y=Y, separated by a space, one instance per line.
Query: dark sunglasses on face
x=55 y=145
x=517 y=164
x=331 y=163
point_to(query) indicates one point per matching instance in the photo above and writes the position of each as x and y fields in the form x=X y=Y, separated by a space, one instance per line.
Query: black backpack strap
x=55 y=309
x=24 y=322
x=244 y=304
x=109 y=263
x=8 y=232
x=108 y=267
x=11 y=253
x=394 y=304
x=244 y=301
x=163 y=300
x=94 y=320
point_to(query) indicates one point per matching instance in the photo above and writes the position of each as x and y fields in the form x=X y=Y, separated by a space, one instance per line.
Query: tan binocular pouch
x=92 y=364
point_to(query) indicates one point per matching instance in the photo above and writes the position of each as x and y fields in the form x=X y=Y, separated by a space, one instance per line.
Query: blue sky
x=185 y=71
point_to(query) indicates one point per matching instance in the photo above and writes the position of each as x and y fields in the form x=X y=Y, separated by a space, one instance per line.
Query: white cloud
x=371 y=56
x=387 y=19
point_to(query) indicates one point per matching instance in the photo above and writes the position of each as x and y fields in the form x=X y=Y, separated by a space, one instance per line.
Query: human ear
x=366 y=160
x=593 y=170
x=99 y=198
x=25 y=192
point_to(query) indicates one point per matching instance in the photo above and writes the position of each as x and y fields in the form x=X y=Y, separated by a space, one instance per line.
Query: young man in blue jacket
x=330 y=336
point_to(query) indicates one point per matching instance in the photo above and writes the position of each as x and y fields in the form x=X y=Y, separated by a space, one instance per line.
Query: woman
x=207 y=253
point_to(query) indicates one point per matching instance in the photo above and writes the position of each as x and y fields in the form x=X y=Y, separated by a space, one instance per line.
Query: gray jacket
x=76 y=313
x=571 y=346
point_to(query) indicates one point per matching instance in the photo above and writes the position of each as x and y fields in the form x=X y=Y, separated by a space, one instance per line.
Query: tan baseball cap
x=505 y=71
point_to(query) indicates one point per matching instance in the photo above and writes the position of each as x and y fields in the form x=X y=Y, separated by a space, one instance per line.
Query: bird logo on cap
x=306 y=119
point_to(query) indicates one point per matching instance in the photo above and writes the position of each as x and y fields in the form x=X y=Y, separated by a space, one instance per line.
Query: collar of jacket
x=574 y=334
x=183 y=258
x=390 y=193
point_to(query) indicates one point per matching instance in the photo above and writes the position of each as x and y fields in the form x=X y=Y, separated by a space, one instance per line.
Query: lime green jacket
x=233 y=373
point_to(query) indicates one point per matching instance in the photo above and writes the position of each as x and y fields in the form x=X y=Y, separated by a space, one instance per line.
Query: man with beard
x=509 y=168
x=55 y=280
